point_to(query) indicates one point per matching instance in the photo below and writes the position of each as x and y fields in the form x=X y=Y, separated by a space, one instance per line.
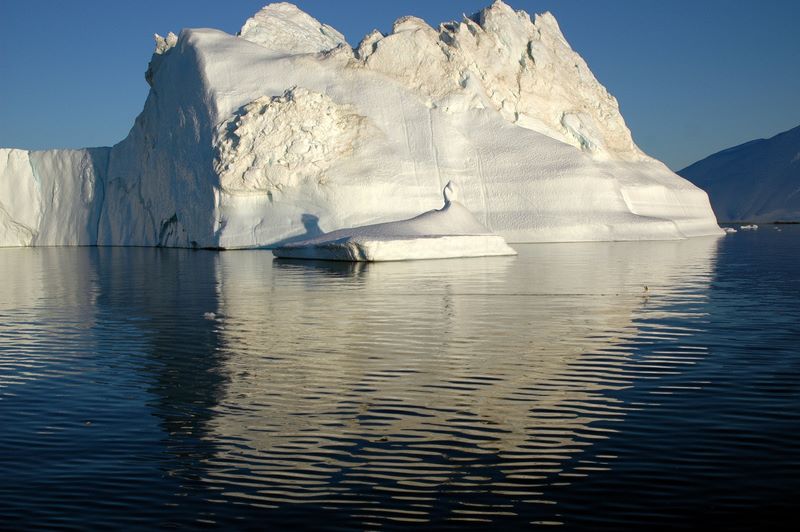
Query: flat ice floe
x=449 y=232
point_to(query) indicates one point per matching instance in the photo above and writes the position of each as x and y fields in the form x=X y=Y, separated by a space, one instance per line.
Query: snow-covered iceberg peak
x=500 y=58
x=164 y=44
x=286 y=30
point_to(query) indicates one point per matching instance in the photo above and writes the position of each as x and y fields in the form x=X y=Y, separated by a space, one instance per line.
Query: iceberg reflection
x=463 y=390
x=405 y=382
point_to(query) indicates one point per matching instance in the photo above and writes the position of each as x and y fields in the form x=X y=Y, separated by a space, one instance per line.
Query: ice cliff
x=755 y=181
x=244 y=138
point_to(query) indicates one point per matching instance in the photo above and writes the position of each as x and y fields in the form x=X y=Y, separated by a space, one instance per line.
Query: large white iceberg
x=243 y=138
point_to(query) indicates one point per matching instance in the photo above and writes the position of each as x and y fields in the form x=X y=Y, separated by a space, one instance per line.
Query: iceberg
x=243 y=138
x=445 y=233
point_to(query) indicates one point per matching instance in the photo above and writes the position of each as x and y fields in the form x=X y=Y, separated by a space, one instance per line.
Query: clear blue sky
x=692 y=77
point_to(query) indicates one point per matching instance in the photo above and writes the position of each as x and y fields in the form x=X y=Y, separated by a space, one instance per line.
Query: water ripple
x=608 y=385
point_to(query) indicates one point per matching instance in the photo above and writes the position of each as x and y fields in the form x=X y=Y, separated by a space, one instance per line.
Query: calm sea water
x=603 y=385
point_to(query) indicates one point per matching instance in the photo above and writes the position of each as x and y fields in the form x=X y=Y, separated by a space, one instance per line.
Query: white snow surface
x=449 y=232
x=243 y=139
x=284 y=30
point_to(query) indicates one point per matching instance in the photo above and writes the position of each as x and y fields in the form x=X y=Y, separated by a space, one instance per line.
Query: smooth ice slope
x=243 y=139
x=756 y=181
x=449 y=232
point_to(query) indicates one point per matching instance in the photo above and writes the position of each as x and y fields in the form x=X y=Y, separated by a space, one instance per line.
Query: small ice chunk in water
x=449 y=232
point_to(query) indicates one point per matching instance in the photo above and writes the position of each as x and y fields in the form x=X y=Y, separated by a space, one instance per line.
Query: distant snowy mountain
x=755 y=181
x=244 y=139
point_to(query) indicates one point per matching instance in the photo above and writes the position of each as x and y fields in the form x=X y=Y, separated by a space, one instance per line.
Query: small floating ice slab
x=445 y=233
x=371 y=249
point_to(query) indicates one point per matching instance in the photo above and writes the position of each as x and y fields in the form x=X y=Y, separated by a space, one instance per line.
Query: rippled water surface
x=602 y=385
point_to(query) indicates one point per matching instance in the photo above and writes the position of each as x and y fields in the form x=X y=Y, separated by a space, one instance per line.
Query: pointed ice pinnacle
x=163 y=44
x=285 y=29
x=450 y=193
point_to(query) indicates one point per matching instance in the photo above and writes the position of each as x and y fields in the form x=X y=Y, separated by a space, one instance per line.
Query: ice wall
x=51 y=198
